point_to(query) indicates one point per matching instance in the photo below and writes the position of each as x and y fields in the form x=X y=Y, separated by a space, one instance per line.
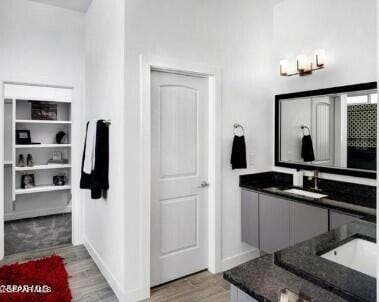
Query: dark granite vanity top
x=351 y=198
x=263 y=280
x=304 y=260
x=301 y=269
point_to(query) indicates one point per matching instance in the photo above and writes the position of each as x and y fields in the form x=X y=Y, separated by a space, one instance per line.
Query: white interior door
x=323 y=130
x=179 y=232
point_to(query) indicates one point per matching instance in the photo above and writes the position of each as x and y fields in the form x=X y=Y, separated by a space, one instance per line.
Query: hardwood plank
x=223 y=297
x=87 y=284
x=203 y=286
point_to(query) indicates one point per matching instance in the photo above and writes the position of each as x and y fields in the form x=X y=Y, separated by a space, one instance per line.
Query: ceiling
x=77 y=5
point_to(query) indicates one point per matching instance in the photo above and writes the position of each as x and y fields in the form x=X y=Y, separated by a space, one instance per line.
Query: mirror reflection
x=336 y=130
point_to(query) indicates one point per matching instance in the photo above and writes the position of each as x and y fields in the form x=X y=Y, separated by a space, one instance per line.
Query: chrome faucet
x=316 y=180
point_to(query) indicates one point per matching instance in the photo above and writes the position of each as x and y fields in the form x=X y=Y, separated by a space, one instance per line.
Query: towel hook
x=305 y=127
x=236 y=126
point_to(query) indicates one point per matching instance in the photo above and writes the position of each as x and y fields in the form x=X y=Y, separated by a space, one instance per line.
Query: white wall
x=41 y=44
x=104 y=218
x=346 y=29
x=340 y=136
x=234 y=36
x=377 y=169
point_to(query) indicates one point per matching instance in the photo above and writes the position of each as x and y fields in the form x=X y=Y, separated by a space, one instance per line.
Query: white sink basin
x=305 y=193
x=357 y=254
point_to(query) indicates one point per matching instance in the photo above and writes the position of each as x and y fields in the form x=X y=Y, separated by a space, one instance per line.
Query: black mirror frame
x=334 y=90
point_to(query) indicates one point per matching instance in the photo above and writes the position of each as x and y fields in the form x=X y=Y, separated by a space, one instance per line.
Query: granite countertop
x=303 y=260
x=351 y=198
x=301 y=269
x=263 y=280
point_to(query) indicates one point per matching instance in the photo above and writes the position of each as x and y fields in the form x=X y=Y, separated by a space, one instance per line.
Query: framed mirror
x=333 y=130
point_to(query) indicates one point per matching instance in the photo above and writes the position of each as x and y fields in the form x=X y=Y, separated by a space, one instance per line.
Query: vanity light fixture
x=304 y=66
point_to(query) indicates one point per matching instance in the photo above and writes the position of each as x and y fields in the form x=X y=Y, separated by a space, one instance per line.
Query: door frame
x=147 y=65
x=76 y=112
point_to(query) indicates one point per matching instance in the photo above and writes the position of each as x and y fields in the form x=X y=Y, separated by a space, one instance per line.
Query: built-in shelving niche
x=45 y=198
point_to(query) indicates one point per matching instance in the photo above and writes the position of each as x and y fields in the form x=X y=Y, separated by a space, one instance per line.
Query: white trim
x=2 y=172
x=106 y=272
x=215 y=160
x=233 y=261
x=33 y=99
x=37 y=213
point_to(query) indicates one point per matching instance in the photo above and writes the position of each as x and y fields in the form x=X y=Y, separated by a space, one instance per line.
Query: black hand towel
x=238 y=159
x=97 y=181
x=307 y=152
x=100 y=183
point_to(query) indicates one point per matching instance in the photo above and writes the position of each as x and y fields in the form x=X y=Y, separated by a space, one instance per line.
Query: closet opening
x=37 y=167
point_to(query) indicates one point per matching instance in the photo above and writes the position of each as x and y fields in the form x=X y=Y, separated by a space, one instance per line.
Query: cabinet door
x=250 y=217
x=237 y=295
x=306 y=222
x=233 y=293
x=273 y=223
x=337 y=219
x=242 y=297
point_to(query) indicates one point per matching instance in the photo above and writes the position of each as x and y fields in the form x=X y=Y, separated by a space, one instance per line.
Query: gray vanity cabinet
x=306 y=222
x=237 y=295
x=250 y=217
x=337 y=219
x=274 y=217
x=272 y=223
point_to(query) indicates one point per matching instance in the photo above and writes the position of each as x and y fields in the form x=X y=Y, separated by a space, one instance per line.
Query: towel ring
x=238 y=126
x=303 y=127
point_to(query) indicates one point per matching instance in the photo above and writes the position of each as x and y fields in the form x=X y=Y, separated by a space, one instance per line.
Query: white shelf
x=45 y=198
x=44 y=167
x=43 y=122
x=42 y=146
x=37 y=99
x=39 y=189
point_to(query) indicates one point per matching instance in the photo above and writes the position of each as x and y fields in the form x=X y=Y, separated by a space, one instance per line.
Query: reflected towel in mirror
x=307 y=152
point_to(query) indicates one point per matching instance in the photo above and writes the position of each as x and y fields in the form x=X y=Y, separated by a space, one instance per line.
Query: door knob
x=204 y=184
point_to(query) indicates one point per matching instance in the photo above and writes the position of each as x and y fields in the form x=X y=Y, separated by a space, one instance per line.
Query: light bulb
x=303 y=64
x=320 y=57
x=284 y=67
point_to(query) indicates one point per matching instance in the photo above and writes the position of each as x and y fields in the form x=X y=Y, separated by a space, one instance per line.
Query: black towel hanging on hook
x=238 y=158
x=98 y=181
x=307 y=152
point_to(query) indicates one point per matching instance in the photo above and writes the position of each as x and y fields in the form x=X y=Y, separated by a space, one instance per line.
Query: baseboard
x=230 y=262
x=104 y=269
x=137 y=295
x=36 y=213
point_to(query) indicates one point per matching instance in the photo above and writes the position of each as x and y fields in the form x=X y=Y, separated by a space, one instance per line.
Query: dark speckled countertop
x=301 y=269
x=304 y=260
x=263 y=280
x=351 y=198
